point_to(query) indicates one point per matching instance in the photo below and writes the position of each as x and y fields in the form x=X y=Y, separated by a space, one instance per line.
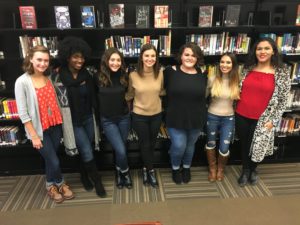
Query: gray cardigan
x=27 y=104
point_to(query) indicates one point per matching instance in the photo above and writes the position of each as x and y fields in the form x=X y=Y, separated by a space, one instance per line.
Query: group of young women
x=72 y=103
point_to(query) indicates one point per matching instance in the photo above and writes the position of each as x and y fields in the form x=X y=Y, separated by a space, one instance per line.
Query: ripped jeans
x=222 y=126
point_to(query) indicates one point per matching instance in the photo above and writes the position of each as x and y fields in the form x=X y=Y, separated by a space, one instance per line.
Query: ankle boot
x=176 y=176
x=92 y=171
x=186 y=175
x=212 y=164
x=152 y=178
x=145 y=176
x=243 y=179
x=119 y=179
x=84 y=178
x=222 y=161
x=127 y=181
x=253 y=178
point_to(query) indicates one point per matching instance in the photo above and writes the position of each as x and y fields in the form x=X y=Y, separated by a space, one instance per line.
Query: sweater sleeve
x=20 y=94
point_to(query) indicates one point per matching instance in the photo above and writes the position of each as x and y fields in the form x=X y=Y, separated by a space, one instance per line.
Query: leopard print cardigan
x=263 y=139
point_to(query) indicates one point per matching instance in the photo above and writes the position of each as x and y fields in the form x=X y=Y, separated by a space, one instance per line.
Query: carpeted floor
x=28 y=193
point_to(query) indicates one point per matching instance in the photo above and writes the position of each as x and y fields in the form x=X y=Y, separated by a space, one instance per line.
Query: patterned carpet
x=28 y=192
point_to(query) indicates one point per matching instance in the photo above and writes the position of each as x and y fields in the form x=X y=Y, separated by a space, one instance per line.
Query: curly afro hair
x=70 y=45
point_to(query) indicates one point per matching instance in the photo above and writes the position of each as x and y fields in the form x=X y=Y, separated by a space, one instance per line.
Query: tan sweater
x=145 y=92
x=223 y=105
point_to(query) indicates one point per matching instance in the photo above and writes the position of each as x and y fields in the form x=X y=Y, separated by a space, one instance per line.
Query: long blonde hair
x=234 y=78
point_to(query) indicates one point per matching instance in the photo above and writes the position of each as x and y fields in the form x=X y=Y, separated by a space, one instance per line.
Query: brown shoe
x=222 y=161
x=54 y=194
x=212 y=164
x=66 y=192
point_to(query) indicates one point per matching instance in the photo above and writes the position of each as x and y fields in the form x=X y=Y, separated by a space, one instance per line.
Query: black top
x=111 y=99
x=186 y=101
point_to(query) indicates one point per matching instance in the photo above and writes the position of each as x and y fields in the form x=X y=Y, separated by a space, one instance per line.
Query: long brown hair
x=140 y=65
x=104 y=74
x=234 y=79
x=27 y=65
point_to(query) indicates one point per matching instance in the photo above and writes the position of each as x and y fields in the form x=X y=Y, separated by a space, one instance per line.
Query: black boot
x=145 y=176
x=127 y=181
x=186 y=175
x=84 y=178
x=92 y=171
x=244 y=177
x=152 y=178
x=176 y=176
x=253 y=177
x=119 y=179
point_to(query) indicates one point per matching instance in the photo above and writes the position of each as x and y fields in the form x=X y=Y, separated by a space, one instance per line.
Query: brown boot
x=212 y=164
x=222 y=161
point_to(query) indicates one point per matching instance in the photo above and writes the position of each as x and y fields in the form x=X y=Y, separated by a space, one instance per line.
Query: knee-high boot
x=222 y=161
x=92 y=171
x=212 y=164
x=84 y=177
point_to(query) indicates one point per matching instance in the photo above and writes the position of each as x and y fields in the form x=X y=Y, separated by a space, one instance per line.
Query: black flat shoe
x=152 y=178
x=176 y=176
x=243 y=179
x=253 y=178
x=127 y=181
x=119 y=180
x=145 y=176
x=186 y=175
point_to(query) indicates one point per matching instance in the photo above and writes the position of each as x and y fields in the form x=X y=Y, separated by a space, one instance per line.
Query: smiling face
x=76 y=61
x=264 y=52
x=225 y=64
x=149 y=58
x=188 y=58
x=114 y=62
x=40 y=62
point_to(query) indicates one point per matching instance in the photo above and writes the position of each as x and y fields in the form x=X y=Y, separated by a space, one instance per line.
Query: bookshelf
x=24 y=159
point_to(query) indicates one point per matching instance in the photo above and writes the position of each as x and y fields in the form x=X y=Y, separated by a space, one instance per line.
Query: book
x=116 y=15
x=142 y=13
x=205 y=16
x=62 y=17
x=28 y=17
x=161 y=16
x=232 y=15
x=298 y=16
x=88 y=16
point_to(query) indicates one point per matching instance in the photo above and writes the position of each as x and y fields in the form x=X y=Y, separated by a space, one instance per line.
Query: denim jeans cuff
x=175 y=167
x=186 y=166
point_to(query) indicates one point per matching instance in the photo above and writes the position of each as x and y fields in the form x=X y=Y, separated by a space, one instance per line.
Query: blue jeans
x=116 y=131
x=84 y=137
x=182 y=146
x=222 y=125
x=51 y=142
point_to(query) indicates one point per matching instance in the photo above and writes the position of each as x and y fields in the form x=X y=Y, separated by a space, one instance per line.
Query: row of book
x=289 y=125
x=294 y=99
x=286 y=43
x=27 y=42
x=295 y=72
x=130 y=46
x=8 y=108
x=10 y=135
x=217 y=44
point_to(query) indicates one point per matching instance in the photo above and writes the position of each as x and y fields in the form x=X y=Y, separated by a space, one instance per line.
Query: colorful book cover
x=88 y=16
x=116 y=15
x=142 y=16
x=161 y=16
x=232 y=15
x=205 y=16
x=28 y=18
x=62 y=16
x=298 y=16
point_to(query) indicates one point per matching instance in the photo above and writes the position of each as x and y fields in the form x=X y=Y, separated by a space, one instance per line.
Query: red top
x=257 y=90
x=49 y=110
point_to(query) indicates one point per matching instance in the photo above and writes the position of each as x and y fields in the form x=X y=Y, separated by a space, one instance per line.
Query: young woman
x=265 y=88
x=223 y=90
x=186 y=108
x=145 y=88
x=112 y=85
x=77 y=97
x=39 y=112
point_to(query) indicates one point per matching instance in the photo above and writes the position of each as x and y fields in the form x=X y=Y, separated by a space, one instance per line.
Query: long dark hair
x=275 y=59
x=105 y=72
x=140 y=65
x=197 y=52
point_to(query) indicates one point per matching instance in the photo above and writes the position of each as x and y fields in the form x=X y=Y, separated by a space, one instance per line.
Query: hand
x=37 y=143
x=268 y=125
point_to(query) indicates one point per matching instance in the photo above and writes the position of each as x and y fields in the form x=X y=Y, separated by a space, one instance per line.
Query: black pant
x=147 y=128
x=245 y=129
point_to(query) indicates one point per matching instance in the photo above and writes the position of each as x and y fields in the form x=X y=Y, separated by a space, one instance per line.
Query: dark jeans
x=116 y=131
x=147 y=128
x=245 y=129
x=51 y=142
x=84 y=136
